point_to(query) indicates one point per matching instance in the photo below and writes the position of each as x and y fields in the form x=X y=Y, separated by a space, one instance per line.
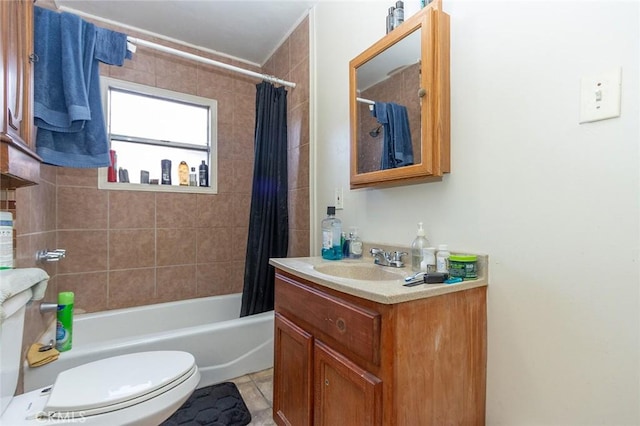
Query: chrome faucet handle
x=397 y=255
x=50 y=255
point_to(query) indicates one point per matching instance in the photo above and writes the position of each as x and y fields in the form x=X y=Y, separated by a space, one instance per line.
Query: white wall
x=553 y=203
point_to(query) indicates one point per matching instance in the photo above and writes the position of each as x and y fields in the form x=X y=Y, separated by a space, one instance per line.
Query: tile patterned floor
x=257 y=391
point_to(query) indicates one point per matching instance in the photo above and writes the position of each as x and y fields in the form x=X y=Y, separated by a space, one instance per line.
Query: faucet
x=384 y=258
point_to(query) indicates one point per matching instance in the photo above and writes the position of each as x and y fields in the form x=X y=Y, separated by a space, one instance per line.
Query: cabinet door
x=17 y=46
x=345 y=394
x=292 y=398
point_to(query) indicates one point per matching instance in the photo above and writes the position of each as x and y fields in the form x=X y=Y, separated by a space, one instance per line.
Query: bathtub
x=224 y=345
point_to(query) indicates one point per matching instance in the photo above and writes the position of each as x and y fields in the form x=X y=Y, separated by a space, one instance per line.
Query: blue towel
x=61 y=101
x=397 y=150
x=111 y=47
x=71 y=128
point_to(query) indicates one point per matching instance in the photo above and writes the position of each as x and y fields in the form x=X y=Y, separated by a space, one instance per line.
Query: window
x=147 y=126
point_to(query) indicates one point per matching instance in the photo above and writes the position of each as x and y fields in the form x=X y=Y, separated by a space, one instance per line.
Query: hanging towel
x=397 y=150
x=61 y=99
x=111 y=47
x=67 y=81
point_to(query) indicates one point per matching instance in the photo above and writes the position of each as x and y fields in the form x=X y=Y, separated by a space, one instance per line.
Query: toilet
x=142 y=388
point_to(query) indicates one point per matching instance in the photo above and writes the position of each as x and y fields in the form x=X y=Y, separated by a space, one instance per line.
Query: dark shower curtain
x=268 y=216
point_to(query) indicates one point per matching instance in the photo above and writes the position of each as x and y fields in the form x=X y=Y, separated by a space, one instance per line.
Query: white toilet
x=143 y=388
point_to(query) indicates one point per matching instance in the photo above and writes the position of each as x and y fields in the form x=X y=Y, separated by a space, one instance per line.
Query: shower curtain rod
x=140 y=42
x=365 y=101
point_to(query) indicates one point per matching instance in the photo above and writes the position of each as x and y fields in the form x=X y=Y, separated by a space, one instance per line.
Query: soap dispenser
x=419 y=251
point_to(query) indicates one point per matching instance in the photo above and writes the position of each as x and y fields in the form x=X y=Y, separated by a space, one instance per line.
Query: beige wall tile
x=86 y=251
x=214 y=211
x=176 y=210
x=90 y=290
x=175 y=246
x=299 y=44
x=131 y=209
x=132 y=287
x=131 y=248
x=68 y=176
x=217 y=278
x=214 y=245
x=176 y=283
x=241 y=206
x=82 y=208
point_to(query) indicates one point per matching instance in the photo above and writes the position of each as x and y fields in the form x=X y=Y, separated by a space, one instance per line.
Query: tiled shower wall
x=128 y=248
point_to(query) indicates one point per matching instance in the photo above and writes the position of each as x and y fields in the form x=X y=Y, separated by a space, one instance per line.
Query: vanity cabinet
x=344 y=359
x=19 y=164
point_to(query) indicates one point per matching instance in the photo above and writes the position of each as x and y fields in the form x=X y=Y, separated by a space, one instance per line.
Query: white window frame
x=107 y=82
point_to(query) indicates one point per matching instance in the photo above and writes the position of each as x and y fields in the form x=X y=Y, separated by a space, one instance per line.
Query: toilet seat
x=117 y=383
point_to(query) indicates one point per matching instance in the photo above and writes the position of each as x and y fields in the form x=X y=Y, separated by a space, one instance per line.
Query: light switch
x=600 y=96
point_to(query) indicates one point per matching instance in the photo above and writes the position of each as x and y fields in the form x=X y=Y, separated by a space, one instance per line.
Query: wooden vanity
x=353 y=353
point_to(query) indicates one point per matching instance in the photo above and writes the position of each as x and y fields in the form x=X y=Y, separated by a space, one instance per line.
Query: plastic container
x=442 y=258
x=331 y=236
x=193 y=177
x=419 y=251
x=6 y=240
x=464 y=266
x=430 y=259
x=64 y=325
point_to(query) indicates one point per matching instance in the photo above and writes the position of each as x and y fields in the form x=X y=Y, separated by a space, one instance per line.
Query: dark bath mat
x=216 y=405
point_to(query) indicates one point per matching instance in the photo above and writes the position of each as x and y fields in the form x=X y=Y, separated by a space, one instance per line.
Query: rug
x=216 y=405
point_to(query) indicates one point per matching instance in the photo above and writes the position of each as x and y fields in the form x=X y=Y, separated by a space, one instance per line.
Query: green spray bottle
x=64 y=326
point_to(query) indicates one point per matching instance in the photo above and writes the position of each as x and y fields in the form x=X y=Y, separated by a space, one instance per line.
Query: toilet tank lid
x=15 y=281
x=115 y=380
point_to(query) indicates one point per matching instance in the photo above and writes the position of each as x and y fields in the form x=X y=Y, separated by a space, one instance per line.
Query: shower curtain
x=268 y=215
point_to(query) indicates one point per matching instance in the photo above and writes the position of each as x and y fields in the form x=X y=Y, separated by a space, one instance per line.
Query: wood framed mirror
x=399 y=104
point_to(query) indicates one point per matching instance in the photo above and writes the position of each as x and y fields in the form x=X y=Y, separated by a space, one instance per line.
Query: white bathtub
x=224 y=345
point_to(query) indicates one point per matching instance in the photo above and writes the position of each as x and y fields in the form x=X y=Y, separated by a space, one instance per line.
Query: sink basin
x=358 y=271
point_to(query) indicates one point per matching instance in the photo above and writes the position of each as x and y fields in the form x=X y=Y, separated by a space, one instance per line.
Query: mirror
x=399 y=104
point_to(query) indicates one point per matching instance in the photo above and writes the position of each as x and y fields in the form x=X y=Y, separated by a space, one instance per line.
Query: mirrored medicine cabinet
x=399 y=104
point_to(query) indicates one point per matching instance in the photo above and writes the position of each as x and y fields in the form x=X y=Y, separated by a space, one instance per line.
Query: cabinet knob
x=326 y=382
x=33 y=58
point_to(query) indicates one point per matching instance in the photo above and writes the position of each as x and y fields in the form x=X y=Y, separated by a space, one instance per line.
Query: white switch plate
x=600 y=96
x=339 y=199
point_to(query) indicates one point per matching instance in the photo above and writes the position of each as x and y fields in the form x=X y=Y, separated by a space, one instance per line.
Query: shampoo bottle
x=419 y=251
x=64 y=325
x=331 y=235
x=203 y=174
x=183 y=173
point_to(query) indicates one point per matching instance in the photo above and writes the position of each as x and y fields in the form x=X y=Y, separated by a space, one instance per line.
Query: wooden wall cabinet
x=345 y=360
x=409 y=67
x=19 y=164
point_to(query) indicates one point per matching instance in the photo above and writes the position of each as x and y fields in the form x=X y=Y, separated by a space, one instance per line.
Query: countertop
x=386 y=291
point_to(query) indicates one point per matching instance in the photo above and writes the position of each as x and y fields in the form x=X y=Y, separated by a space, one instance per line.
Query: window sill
x=146 y=187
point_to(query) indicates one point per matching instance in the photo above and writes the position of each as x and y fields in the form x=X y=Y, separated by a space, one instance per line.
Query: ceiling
x=250 y=30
